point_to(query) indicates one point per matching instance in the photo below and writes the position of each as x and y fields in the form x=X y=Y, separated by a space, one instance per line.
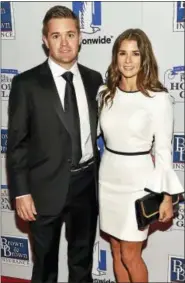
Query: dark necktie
x=71 y=111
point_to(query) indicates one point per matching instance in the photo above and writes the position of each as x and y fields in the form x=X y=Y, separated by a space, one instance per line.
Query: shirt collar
x=58 y=71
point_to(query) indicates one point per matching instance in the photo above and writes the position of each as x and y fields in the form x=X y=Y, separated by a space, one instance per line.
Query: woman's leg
x=131 y=257
x=120 y=271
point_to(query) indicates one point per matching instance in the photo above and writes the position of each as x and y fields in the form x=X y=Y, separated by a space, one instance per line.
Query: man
x=51 y=152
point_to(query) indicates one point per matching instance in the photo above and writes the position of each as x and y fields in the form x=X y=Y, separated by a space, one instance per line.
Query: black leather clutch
x=147 y=208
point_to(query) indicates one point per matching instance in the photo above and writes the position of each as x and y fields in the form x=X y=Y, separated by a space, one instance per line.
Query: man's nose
x=63 y=41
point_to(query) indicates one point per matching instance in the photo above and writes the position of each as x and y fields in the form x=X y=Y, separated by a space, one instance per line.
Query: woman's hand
x=166 y=209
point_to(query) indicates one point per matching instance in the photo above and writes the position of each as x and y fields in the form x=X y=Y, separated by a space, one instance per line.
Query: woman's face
x=129 y=59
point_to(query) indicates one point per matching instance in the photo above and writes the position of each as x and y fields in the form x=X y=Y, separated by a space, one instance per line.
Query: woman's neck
x=128 y=84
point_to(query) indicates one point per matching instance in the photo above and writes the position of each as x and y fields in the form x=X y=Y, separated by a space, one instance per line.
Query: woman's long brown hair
x=147 y=78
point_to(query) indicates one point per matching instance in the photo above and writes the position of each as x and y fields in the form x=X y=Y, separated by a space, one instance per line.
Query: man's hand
x=25 y=208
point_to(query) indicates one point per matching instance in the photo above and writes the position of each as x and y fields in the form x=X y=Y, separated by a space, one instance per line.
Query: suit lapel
x=52 y=95
x=90 y=95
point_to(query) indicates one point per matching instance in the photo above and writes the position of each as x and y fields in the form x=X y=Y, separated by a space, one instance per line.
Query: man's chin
x=66 y=60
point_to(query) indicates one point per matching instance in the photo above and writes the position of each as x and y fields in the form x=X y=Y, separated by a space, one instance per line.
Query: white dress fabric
x=129 y=125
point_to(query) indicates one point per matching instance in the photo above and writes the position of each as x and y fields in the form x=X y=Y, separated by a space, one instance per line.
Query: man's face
x=63 y=40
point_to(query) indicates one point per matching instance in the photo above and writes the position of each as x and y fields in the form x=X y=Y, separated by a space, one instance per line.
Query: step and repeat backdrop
x=101 y=23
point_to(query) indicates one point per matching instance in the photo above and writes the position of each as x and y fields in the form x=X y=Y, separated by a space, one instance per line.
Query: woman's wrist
x=167 y=198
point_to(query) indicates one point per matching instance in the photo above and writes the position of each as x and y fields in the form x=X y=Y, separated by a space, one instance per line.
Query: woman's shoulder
x=99 y=94
x=162 y=102
x=160 y=96
x=102 y=87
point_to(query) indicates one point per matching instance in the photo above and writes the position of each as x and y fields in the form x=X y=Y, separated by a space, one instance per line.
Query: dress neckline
x=134 y=91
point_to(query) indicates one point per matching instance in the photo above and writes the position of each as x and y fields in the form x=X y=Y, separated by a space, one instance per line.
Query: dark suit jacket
x=39 y=141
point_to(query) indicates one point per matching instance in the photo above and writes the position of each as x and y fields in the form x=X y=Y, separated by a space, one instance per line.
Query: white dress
x=129 y=126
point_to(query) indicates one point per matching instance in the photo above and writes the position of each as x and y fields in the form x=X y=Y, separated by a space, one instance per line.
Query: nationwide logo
x=6 y=80
x=176 y=269
x=179 y=16
x=174 y=80
x=5 y=201
x=99 y=261
x=14 y=250
x=178 y=151
x=178 y=221
x=7 y=21
x=90 y=16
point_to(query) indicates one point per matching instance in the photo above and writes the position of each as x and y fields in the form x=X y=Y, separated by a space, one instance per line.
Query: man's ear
x=80 y=38
x=44 y=38
x=80 y=42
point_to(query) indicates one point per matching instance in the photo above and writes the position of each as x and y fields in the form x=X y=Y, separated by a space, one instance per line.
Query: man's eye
x=71 y=35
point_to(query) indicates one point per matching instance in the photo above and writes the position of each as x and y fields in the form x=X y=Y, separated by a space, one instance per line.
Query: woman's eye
x=121 y=53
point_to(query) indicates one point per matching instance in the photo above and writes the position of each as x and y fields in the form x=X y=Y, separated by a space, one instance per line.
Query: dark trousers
x=80 y=217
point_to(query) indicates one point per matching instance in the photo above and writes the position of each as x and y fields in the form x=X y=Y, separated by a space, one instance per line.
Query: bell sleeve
x=163 y=178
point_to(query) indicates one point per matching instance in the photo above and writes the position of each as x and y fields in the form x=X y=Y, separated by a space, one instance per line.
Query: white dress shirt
x=57 y=72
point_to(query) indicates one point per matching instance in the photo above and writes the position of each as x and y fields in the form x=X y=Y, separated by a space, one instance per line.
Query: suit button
x=69 y=160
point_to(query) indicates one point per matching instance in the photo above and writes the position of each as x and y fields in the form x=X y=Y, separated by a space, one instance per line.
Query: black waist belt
x=128 y=153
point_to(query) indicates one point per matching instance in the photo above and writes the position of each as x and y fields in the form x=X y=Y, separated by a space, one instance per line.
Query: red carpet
x=5 y=279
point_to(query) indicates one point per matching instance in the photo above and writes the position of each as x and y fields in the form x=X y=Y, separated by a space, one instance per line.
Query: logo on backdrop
x=99 y=261
x=178 y=151
x=176 y=269
x=4 y=137
x=100 y=145
x=5 y=201
x=14 y=250
x=90 y=16
x=7 y=21
x=178 y=16
x=174 y=80
x=6 y=80
x=178 y=221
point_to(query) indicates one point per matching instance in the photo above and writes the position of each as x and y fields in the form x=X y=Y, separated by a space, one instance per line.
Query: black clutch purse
x=147 y=208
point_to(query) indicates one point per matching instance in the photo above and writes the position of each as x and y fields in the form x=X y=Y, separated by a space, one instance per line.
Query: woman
x=135 y=110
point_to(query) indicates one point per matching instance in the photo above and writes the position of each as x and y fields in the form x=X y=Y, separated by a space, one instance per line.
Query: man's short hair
x=59 y=12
